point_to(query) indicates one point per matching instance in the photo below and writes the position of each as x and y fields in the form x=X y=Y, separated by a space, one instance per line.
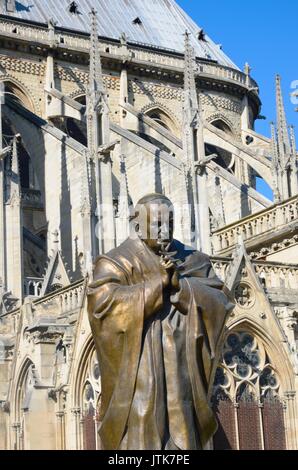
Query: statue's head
x=154 y=216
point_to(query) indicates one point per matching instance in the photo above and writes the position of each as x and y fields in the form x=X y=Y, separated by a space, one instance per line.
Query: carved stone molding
x=72 y=74
x=222 y=117
x=220 y=102
x=244 y=295
x=156 y=90
x=23 y=65
x=162 y=107
x=274 y=248
x=5 y=406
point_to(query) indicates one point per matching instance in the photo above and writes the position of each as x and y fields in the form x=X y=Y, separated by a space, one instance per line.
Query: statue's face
x=156 y=224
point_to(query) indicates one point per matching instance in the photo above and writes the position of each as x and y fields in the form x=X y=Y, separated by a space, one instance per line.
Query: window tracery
x=90 y=402
x=247 y=396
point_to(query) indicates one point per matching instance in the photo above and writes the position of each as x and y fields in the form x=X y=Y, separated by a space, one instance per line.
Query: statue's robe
x=156 y=372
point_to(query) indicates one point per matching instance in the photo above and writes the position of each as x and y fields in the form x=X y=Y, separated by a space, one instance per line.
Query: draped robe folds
x=158 y=350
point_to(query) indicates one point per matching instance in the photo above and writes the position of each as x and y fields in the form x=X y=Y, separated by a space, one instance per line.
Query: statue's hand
x=166 y=268
x=175 y=280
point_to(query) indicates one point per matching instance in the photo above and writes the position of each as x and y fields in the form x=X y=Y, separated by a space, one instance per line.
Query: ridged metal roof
x=163 y=22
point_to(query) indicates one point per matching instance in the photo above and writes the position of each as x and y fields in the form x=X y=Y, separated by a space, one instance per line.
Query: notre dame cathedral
x=100 y=106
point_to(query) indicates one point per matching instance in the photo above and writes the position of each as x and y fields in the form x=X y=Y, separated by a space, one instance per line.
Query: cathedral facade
x=98 y=108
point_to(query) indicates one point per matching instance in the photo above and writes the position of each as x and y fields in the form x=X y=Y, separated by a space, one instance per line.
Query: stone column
x=245 y=119
x=14 y=229
x=122 y=226
x=60 y=430
x=3 y=427
x=2 y=216
x=106 y=205
x=203 y=211
x=291 y=421
x=261 y=406
x=76 y=413
x=236 y=406
x=81 y=432
x=124 y=85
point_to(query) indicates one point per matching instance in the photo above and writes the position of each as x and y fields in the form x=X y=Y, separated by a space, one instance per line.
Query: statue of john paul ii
x=157 y=312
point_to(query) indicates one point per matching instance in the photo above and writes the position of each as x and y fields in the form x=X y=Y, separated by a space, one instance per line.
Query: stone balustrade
x=227 y=73
x=155 y=55
x=69 y=298
x=275 y=276
x=271 y=275
x=263 y=223
x=36 y=33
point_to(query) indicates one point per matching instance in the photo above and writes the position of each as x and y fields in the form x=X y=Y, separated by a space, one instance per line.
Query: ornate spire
x=96 y=92
x=275 y=165
x=294 y=163
x=293 y=143
x=282 y=128
x=96 y=87
x=15 y=184
x=14 y=157
x=85 y=191
x=123 y=195
x=123 y=204
x=247 y=71
x=194 y=151
x=284 y=161
x=99 y=146
x=191 y=105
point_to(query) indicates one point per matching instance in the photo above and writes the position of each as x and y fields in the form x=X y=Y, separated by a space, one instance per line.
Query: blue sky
x=262 y=33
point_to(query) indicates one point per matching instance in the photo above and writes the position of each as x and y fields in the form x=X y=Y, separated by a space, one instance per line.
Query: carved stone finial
x=51 y=27
x=51 y=23
x=123 y=39
x=247 y=69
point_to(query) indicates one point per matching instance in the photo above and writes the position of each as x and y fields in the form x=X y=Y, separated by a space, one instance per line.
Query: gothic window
x=220 y=124
x=162 y=119
x=246 y=397
x=90 y=402
x=16 y=95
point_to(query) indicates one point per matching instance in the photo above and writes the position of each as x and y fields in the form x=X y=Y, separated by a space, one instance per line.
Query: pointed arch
x=220 y=121
x=19 y=93
x=20 y=383
x=86 y=397
x=163 y=116
x=21 y=401
x=81 y=370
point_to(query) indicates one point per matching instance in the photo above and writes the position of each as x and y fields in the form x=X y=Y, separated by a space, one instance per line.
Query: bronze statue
x=157 y=312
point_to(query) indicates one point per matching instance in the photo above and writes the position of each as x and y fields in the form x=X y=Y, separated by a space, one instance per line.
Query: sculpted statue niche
x=157 y=312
